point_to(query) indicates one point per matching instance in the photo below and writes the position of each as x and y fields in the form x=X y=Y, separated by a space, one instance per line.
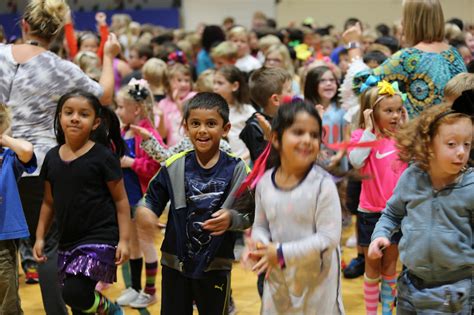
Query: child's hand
x=38 y=251
x=369 y=123
x=101 y=18
x=122 y=253
x=112 y=46
x=126 y=162
x=320 y=109
x=377 y=246
x=352 y=34
x=142 y=132
x=265 y=125
x=267 y=258
x=219 y=223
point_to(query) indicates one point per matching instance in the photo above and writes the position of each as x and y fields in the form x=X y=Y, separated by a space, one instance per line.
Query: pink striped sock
x=371 y=294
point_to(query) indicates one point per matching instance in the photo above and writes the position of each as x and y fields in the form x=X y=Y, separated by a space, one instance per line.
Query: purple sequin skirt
x=95 y=261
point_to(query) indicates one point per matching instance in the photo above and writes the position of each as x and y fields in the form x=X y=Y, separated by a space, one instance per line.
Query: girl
x=84 y=191
x=432 y=203
x=297 y=225
x=278 y=56
x=245 y=62
x=134 y=102
x=168 y=112
x=230 y=83
x=381 y=115
x=320 y=88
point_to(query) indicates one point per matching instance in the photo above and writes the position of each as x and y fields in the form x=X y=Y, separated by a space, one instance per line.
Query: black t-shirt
x=252 y=136
x=83 y=206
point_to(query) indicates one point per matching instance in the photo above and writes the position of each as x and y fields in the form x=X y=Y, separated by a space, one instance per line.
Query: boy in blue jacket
x=16 y=156
x=197 y=251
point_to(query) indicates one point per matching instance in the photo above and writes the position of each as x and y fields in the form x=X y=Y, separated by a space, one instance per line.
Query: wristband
x=352 y=45
x=281 y=259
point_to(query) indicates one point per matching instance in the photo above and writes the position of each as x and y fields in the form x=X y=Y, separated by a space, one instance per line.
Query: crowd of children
x=273 y=131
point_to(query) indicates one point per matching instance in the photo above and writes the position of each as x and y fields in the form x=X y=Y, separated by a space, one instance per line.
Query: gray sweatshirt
x=437 y=242
x=306 y=220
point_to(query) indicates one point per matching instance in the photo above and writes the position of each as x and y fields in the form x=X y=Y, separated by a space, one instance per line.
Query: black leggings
x=79 y=293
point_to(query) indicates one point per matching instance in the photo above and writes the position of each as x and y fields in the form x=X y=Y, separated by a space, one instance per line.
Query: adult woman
x=32 y=81
x=423 y=69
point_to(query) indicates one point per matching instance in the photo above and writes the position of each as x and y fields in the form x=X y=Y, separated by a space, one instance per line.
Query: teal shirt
x=421 y=75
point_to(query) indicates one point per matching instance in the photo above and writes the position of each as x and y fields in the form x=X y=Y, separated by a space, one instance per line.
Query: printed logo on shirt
x=219 y=287
x=380 y=156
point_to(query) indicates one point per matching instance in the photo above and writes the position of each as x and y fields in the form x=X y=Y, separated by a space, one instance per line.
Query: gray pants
x=31 y=193
x=9 y=298
x=453 y=298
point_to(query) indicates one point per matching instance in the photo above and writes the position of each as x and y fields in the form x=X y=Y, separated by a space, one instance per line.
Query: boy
x=197 y=251
x=16 y=156
x=268 y=86
x=224 y=54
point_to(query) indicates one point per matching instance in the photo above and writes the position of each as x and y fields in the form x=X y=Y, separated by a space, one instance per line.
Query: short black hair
x=376 y=56
x=389 y=41
x=207 y=100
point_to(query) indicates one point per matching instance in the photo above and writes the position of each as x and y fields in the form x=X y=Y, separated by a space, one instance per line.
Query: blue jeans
x=453 y=298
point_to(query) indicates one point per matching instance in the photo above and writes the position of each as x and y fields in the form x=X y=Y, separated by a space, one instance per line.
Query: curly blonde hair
x=414 y=139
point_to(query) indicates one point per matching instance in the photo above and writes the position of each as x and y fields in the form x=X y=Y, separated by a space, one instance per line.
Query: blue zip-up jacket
x=437 y=243
x=169 y=184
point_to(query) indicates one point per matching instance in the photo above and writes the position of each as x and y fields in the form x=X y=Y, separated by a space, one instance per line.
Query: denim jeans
x=452 y=298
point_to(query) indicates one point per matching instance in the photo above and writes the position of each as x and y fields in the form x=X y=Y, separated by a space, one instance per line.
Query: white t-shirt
x=237 y=117
x=248 y=63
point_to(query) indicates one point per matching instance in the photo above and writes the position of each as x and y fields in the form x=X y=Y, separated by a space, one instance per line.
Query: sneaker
x=127 y=296
x=143 y=300
x=115 y=309
x=232 y=309
x=356 y=268
x=351 y=241
x=31 y=276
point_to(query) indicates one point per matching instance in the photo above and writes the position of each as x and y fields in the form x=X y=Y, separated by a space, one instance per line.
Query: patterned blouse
x=421 y=75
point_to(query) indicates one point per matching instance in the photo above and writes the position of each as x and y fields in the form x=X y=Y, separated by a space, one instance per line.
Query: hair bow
x=371 y=81
x=386 y=88
x=138 y=89
x=302 y=52
x=177 y=57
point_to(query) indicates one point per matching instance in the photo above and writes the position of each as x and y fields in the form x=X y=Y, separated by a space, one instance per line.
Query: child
x=197 y=250
x=230 y=83
x=154 y=72
x=84 y=192
x=245 y=62
x=224 y=54
x=382 y=113
x=320 y=88
x=433 y=204
x=267 y=87
x=16 y=156
x=297 y=225
x=178 y=90
x=134 y=101
x=458 y=84
x=278 y=56
x=205 y=81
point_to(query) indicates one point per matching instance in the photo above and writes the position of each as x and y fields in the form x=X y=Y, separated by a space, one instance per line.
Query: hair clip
x=177 y=57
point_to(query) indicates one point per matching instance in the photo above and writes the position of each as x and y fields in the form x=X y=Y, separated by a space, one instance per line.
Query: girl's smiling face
x=327 y=86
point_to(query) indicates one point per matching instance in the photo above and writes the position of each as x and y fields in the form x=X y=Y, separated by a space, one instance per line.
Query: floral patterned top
x=421 y=75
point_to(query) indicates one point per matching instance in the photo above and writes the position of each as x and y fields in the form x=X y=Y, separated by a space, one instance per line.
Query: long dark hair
x=107 y=133
x=312 y=80
x=233 y=74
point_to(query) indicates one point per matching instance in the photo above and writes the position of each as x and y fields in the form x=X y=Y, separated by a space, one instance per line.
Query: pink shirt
x=173 y=117
x=381 y=165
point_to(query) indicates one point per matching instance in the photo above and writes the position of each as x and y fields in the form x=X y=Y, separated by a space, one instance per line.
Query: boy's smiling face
x=206 y=128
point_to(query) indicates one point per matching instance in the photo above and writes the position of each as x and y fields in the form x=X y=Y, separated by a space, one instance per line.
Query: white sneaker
x=128 y=295
x=351 y=241
x=143 y=300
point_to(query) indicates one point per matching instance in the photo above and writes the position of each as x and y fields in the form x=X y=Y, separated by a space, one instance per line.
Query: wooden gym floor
x=243 y=286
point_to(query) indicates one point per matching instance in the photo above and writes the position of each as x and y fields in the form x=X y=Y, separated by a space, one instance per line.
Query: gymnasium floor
x=243 y=285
